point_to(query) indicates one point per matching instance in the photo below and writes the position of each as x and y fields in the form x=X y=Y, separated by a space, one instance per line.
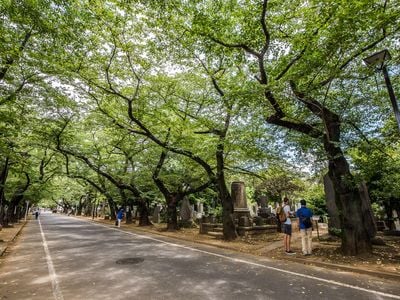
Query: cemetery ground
x=384 y=262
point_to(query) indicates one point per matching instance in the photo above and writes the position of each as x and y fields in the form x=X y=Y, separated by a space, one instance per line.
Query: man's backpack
x=306 y=221
x=281 y=214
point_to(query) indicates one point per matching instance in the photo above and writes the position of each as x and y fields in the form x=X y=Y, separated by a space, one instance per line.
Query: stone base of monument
x=254 y=230
x=238 y=213
x=209 y=228
x=264 y=212
x=381 y=226
x=391 y=232
x=245 y=221
x=187 y=224
x=259 y=221
x=206 y=228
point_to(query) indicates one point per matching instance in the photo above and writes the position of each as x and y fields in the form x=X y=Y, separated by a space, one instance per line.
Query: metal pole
x=316 y=222
x=391 y=95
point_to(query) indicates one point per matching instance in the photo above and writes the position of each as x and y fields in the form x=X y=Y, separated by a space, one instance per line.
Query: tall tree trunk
x=12 y=210
x=128 y=213
x=3 y=178
x=355 y=235
x=172 y=215
x=126 y=203
x=229 y=229
x=144 y=214
x=80 y=206
x=171 y=198
x=112 y=206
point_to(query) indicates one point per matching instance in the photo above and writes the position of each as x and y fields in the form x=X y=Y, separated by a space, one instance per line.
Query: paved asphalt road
x=59 y=257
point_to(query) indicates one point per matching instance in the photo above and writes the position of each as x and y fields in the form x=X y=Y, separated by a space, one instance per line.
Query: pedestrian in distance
x=36 y=215
x=120 y=216
x=287 y=226
x=305 y=225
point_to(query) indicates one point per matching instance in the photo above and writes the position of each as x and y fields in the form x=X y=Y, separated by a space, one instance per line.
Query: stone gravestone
x=263 y=211
x=135 y=212
x=254 y=210
x=194 y=212
x=330 y=196
x=240 y=209
x=396 y=222
x=200 y=210
x=156 y=213
x=186 y=211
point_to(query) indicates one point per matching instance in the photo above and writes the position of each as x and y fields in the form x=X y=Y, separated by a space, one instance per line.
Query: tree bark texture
x=172 y=215
x=144 y=214
x=112 y=206
x=229 y=229
x=356 y=238
x=3 y=179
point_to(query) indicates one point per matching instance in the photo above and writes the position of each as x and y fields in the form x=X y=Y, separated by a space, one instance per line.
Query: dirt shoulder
x=383 y=262
x=8 y=235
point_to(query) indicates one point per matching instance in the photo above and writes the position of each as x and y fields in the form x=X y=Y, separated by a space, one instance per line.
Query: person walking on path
x=120 y=216
x=287 y=227
x=305 y=225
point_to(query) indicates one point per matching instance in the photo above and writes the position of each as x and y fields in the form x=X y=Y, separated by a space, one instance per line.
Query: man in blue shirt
x=120 y=216
x=305 y=214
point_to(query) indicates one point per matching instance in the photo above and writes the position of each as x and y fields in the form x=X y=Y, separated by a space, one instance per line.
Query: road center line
x=54 y=282
x=253 y=263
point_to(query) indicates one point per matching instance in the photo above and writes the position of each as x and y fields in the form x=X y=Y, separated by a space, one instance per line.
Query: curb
x=3 y=250
x=383 y=275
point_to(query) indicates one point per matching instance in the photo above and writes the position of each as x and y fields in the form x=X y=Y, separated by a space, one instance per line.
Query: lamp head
x=377 y=59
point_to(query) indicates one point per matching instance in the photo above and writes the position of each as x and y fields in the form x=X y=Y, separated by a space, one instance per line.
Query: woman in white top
x=287 y=227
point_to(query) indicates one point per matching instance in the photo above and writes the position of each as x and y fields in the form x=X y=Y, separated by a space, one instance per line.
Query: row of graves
x=261 y=218
x=249 y=220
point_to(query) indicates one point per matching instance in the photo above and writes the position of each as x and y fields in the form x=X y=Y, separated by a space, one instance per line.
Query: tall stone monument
x=238 y=194
x=186 y=210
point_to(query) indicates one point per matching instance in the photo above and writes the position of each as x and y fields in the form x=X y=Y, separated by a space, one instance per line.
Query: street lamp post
x=378 y=60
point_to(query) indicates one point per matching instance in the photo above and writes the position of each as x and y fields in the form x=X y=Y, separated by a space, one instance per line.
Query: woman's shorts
x=287 y=229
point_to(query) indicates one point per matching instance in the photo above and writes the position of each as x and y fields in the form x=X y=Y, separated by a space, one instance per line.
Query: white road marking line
x=54 y=282
x=252 y=263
